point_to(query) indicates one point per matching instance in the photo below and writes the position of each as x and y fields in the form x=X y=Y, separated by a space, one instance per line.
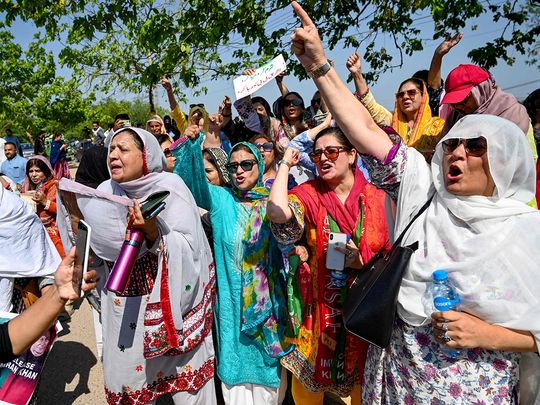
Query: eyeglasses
x=331 y=152
x=296 y=102
x=267 y=146
x=474 y=146
x=167 y=152
x=411 y=93
x=246 y=165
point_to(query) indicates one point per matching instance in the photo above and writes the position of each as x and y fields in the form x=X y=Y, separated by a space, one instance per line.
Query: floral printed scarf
x=264 y=312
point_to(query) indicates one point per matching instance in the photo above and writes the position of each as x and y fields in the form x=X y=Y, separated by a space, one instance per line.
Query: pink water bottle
x=121 y=272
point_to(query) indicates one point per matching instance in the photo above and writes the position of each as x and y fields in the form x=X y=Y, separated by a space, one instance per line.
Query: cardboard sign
x=246 y=85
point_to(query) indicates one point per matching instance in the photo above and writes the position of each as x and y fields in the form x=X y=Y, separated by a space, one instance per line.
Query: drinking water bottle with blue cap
x=445 y=298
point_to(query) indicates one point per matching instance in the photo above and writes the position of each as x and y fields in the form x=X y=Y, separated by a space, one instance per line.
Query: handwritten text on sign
x=249 y=84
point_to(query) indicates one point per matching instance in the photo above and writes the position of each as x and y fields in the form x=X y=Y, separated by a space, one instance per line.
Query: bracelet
x=359 y=96
x=285 y=162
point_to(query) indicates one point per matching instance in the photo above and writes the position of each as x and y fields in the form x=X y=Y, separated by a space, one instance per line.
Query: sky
x=519 y=79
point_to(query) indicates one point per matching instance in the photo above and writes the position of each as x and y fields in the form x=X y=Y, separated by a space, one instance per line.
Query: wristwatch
x=320 y=71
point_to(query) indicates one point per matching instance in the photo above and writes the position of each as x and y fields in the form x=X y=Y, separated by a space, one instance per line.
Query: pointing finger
x=300 y=12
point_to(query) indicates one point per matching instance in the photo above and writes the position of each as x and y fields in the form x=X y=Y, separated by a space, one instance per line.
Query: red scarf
x=319 y=202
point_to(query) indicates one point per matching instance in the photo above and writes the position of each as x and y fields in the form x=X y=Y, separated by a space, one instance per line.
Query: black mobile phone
x=83 y=248
x=152 y=202
x=155 y=211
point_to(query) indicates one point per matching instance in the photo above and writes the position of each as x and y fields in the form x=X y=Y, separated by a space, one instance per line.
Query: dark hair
x=530 y=104
x=208 y=156
x=95 y=122
x=264 y=103
x=337 y=133
x=41 y=166
x=138 y=141
x=422 y=75
x=122 y=116
x=419 y=83
x=278 y=149
x=9 y=131
x=282 y=103
x=163 y=138
x=11 y=143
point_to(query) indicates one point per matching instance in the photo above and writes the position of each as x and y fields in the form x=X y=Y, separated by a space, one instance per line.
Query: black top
x=6 y=350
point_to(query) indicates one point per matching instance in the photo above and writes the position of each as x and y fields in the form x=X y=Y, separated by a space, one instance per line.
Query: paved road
x=73 y=373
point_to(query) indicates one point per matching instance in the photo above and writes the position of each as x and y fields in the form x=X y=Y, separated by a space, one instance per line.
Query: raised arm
x=278 y=209
x=351 y=116
x=434 y=74
x=354 y=65
x=283 y=89
x=176 y=113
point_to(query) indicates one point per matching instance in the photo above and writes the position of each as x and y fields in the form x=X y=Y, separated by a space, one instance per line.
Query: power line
x=521 y=85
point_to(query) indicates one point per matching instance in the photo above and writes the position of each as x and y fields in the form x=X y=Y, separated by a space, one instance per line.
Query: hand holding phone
x=335 y=260
x=83 y=249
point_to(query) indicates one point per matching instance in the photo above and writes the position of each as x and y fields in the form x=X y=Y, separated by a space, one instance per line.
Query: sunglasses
x=201 y=105
x=411 y=93
x=167 y=152
x=267 y=146
x=296 y=102
x=331 y=152
x=474 y=147
x=246 y=165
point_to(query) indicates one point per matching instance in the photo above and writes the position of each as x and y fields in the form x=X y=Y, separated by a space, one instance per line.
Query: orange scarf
x=425 y=133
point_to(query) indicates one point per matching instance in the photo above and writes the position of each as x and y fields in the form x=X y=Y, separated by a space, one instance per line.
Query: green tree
x=130 y=44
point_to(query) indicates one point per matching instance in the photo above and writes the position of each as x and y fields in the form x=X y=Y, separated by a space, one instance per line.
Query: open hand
x=306 y=43
x=449 y=43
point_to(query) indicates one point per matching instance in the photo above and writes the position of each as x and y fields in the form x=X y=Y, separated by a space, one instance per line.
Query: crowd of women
x=231 y=300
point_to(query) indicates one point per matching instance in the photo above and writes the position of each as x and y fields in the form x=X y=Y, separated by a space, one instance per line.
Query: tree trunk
x=151 y=100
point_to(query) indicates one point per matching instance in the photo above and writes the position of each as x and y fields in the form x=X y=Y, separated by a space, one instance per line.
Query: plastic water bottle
x=445 y=298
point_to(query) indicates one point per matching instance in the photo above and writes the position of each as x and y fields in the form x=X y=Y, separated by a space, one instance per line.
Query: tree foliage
x=130 y=44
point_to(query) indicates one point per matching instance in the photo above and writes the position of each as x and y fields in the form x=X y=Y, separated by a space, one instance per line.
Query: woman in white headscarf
x=156 y=334
x=478 y=228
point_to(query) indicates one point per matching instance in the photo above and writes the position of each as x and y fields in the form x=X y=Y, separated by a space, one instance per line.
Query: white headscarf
x=26 y=250
x=489 y=246
x=186 y=248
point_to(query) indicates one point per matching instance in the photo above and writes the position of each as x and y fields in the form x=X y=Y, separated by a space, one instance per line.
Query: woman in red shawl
x=326 y=358
x=40 y=178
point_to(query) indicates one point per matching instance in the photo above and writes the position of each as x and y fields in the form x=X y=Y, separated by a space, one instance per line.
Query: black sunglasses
x=196 y=105
x=294 y=102
x=331 y=152
x=474 y=146
x=267 y=146
x=246 y=165
x=167 y=152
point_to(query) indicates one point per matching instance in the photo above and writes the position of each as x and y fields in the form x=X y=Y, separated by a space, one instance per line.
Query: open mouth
x=454 y=172
x=325 y=167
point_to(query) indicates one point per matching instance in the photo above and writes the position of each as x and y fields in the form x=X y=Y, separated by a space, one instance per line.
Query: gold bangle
x=284 y=162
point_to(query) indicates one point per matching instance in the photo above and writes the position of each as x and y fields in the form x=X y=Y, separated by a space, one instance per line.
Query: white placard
x=248 y=84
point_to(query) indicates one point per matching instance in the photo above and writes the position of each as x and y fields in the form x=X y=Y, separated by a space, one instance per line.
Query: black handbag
x=371 y=303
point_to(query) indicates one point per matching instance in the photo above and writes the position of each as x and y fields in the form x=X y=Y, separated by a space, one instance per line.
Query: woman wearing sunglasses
x=165 y=142
x=338 y=200
x=411 y=119
x=250 y=312
x=271 y=153
x=477 y=227
x=294 y=116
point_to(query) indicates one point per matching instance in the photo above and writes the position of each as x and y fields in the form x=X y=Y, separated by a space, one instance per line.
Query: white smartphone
x=335 y=259
x=83 y=248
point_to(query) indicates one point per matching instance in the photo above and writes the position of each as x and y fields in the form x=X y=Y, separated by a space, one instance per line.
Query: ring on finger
x=446 y=338
x=349 y=253
x=445 y=326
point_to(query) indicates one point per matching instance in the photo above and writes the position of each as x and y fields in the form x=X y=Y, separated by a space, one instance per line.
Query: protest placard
x=248 y=84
